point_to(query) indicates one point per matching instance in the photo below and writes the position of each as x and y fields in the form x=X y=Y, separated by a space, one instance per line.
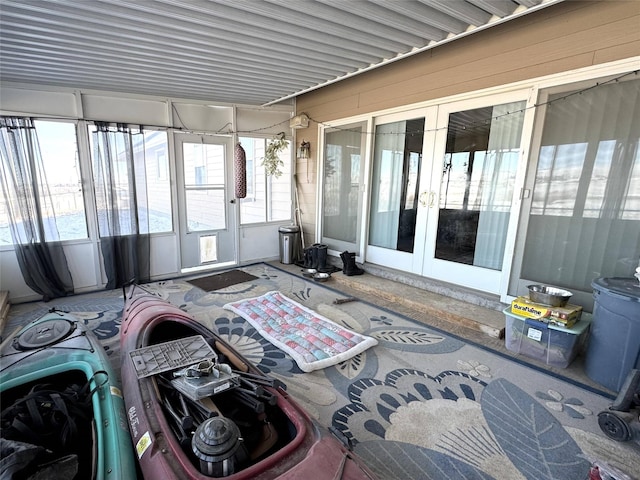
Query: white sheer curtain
x=496 y=184
x=387 y=184
x=584 y=220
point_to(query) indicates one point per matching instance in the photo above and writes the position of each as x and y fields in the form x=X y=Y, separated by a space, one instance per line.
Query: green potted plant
x=272 y=161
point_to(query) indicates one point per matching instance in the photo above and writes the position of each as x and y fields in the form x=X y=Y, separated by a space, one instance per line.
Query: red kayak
x=198 y=409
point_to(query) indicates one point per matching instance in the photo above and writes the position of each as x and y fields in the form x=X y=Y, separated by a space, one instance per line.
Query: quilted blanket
x=313 y=341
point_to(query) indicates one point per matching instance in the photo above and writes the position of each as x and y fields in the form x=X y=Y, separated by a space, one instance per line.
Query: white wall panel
x=259 y=243
x=164 y=256
x=37 y=102
x=124 y=109
x=262 y=121
x=11 y=279
x=202 y=118
x=81 y=258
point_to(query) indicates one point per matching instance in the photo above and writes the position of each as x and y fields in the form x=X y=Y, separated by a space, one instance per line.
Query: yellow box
x=565 y=316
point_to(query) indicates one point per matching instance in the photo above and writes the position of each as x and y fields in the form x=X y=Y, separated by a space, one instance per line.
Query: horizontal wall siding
x=563 y=37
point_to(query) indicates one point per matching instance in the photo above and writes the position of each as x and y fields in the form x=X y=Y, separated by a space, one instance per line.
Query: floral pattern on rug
x=422 y=404
x=458 y=422
x=246 y=340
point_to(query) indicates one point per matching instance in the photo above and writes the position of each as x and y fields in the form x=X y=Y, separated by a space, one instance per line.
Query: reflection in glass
x=476 y=189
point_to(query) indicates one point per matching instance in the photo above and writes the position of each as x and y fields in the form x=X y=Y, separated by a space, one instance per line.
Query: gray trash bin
x=614 y=345
x=289 y=236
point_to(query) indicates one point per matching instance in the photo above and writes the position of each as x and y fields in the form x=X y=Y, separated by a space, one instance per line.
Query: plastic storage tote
x=552 y=344
x=614 y=346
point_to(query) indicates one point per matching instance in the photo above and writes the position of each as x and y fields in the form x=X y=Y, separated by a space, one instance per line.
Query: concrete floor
x=472 y=316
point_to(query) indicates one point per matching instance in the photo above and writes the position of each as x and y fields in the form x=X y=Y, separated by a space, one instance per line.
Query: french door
x=478 y=165
x=206 y=207
x=443 y=183
x=400 y=177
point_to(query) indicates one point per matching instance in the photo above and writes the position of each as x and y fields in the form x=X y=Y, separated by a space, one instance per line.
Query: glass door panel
x=475 y=191
x=204 y=186
x=398 y=213
x=342 y=188
x=476 y=188
x=394 y=190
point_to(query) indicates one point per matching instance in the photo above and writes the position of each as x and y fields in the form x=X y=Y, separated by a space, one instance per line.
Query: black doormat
x=221 y=280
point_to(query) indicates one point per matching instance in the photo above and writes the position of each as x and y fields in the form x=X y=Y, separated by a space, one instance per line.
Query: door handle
x=432 y=199
x=423 y=198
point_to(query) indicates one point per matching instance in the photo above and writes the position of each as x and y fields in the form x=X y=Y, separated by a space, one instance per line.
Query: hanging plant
x=272 y=161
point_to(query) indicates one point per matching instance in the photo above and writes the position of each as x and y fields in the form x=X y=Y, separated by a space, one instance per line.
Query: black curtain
x=30 y=209
x=119 y=172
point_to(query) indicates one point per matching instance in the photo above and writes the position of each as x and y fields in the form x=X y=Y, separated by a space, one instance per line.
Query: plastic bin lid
x=289 y=229
x=621 y=286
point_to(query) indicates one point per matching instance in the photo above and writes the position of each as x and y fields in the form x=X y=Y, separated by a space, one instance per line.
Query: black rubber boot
x=321 y=255
x=350 y=268
x=308 y=257
x=314 y=255
x=343 y=257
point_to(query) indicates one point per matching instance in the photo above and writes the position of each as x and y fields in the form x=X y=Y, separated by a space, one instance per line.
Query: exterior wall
x=561 y=38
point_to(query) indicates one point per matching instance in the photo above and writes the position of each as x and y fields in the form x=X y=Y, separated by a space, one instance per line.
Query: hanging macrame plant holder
x=240 y=171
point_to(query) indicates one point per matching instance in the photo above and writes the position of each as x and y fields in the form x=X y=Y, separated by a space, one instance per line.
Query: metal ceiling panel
x=251 y=52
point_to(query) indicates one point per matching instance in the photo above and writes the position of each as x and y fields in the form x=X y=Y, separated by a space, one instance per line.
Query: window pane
x=153 y=144
x=279 y=190
x=585 y=214
x=268 y=197
x=204 y=184
x=149 y=174
x=59 y=151
x=253 y=206
x=203 y=165
x=205 y=210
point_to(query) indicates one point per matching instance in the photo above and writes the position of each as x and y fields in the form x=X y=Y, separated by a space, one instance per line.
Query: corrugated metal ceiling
x=252 y=52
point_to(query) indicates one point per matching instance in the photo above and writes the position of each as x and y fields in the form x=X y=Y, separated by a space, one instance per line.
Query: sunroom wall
x=565 y=37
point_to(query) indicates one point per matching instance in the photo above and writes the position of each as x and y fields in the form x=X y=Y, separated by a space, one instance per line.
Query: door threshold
x=458 y=292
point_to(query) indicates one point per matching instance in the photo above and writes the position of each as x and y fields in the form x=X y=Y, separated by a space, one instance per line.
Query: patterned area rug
x=422 y=404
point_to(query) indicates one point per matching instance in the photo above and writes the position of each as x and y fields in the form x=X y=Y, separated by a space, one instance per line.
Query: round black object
x=44 y=334
x=615 y=427
x=219 y=447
